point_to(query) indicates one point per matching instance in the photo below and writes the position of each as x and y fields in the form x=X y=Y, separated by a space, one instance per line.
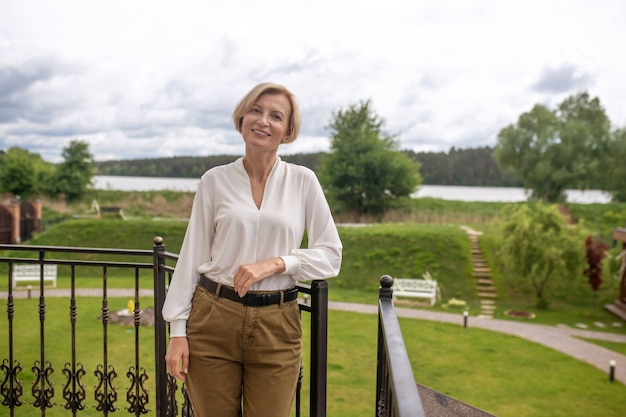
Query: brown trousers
x=242 y=358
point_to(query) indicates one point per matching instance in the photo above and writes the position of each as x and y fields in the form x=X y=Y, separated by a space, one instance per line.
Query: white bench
x=32 y=272
x=417 y=288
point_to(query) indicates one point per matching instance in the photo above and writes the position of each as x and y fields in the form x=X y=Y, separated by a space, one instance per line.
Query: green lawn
x=501 y=374
x=504 y=375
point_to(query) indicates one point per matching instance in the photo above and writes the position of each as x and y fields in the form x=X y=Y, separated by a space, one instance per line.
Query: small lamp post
x=611 y=370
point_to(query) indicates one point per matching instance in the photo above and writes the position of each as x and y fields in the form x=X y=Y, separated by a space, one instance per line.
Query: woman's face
x=267 y=123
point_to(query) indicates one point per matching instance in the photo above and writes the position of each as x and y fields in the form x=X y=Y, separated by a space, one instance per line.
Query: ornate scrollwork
x=137 y=394
x=381 y=406
x=43 y=389
x=11 y=386
x=74 y=392
x=187 y=410
x=171 y=387
x=105 y=395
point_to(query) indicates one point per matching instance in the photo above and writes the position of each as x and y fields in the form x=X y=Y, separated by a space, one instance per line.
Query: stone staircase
x=480 y=272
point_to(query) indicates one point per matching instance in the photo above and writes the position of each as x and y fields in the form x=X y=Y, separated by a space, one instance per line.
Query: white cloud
x=160 y=78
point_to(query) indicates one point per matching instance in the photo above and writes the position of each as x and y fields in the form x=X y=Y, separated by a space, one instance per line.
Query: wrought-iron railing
x=397 y=393
x=87 y=264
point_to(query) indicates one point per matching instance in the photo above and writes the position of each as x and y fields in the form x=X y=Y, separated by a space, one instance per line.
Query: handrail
x=396 y=391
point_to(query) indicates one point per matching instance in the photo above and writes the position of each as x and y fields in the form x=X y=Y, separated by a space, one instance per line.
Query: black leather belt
x=250 y=299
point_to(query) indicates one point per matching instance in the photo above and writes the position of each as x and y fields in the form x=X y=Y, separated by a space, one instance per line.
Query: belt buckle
x=260 y=300
x=265 y=299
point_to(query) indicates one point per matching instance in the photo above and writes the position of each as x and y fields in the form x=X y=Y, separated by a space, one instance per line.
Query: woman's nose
x=262 y=120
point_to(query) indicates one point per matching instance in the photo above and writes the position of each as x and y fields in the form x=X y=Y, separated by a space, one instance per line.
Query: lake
x=444 y=192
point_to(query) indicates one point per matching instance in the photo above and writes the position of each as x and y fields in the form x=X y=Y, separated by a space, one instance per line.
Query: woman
x=235 y=331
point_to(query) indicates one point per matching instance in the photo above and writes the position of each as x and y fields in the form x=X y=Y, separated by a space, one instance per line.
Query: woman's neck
x=258 y=168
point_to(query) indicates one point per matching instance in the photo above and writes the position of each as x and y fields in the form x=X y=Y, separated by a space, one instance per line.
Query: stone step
x=484 y=316
x=481 y=274
x=487 y=307
x=486 y=288
x=486 y=302
x=481 y=268
x=487 y=294
x=484 y=281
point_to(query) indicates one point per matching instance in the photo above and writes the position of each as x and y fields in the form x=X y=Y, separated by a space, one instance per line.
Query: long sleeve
x=195 y=251
x=322 y=257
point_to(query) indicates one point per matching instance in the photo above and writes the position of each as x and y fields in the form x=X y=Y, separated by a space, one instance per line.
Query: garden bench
x=417 y=288
x=31 y=272
x=111 y=211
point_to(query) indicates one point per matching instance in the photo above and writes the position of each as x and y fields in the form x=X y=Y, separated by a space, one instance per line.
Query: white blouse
x=226 y=230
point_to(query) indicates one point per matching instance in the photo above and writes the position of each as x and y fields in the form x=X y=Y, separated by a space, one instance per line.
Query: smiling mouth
x=260 y=132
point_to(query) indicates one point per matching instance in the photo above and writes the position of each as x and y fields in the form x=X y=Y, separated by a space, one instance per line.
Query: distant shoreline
x=444 y=192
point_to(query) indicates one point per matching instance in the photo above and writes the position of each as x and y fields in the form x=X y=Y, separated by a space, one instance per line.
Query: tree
x=553 y=150
x=615 y=174
x=537 y=247
x=19 y=172
x=364 y=172
x=595 y=252
x=76 y=172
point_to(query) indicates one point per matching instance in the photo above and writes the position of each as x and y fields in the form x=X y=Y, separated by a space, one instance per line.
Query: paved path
x=565 y=340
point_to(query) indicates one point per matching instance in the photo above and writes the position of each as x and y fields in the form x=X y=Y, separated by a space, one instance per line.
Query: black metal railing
x=397 y=393
x=82 y=264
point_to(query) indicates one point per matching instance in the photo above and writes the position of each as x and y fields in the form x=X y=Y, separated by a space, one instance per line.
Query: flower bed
x=520 y=314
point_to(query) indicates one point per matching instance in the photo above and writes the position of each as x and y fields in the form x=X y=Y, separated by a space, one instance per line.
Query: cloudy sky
x=149 y=78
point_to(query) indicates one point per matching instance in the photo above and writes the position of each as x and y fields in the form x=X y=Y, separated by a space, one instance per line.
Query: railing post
x=160 y=333
x=385 y=292
x=397 y=393
x=319 y=347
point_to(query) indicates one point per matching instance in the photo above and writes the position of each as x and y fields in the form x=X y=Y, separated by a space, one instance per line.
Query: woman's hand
x=248 y=274
x=177 y=357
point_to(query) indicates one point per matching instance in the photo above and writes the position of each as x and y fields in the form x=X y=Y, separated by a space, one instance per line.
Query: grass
x=614 y=346
x=503 y=375
x=402 y=250
x=491 y=371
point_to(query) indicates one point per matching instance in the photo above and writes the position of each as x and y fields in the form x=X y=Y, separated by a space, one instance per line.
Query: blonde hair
x=246 y=103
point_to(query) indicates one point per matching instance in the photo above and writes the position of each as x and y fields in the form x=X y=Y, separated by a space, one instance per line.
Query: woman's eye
x=254 y=110
x=277 y=117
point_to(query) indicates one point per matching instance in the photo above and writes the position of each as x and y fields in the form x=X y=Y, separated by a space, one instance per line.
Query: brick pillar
x=14 y=209
x=37 y=206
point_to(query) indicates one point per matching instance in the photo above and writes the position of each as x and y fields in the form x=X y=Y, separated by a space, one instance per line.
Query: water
x=444 y=192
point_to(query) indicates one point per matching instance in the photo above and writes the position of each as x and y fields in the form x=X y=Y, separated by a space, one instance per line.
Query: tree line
x=458 y=166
